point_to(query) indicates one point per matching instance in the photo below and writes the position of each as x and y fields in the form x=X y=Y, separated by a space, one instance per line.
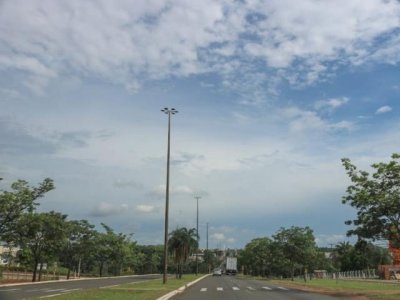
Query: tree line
x=50 y=238
x=293 y=252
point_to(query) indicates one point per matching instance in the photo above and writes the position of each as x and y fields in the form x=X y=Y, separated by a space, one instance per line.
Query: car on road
x=217 y=272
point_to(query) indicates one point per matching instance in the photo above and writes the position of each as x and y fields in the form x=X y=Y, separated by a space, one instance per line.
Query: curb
x=181 y=289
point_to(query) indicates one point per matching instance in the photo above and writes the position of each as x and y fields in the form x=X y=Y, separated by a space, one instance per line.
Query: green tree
x=342 y=256
x=79 y=241
x=257 y=256
x=361 y=256
x=377 y=200
x=20 y=200
x=147 y=259
x=42 y=236
x=181 y=243
x=111 y=250
x=297 y=246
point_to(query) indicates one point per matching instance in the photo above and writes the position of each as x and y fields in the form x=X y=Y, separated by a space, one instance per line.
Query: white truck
x=230 y=265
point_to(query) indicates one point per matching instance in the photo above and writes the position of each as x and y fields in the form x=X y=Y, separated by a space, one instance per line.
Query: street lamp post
x=169 y=112
x=197 y=233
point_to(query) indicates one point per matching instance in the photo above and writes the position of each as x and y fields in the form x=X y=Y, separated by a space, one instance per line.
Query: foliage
x=112 y=249
x=181 y=243
x=377 y=200
x=363 y=255
x=41 y=236
x=257 y=257
x=15 y=203
x=78 y=244
x=148 y=259
x=288 y=251
x=297 y=246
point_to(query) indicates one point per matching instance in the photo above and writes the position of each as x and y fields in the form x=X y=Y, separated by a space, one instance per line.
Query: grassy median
x=354 y=288
x=148 y=290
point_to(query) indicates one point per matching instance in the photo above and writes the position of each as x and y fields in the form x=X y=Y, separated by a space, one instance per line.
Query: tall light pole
x=197 y=232
x=169 y=112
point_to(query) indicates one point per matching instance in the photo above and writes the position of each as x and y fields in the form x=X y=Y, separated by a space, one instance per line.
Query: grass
x=148 y=290
x=355 y=288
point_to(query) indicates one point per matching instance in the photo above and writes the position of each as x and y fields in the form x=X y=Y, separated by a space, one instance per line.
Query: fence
x=26 y=276
x=357 y=274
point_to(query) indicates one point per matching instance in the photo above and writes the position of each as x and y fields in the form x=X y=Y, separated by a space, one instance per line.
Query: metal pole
x=197 y=231
x=168 y=112
x=207 y=236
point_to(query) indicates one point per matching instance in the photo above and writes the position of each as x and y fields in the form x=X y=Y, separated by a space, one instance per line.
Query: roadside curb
x=181 y=289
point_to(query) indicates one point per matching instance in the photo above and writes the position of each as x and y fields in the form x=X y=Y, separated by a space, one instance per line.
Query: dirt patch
x=5 y=281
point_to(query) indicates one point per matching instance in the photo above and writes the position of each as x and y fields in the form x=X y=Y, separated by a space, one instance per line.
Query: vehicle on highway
x=230 y=265
x=217 y=272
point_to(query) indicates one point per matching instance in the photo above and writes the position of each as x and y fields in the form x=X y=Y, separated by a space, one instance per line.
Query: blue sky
x=271 y=95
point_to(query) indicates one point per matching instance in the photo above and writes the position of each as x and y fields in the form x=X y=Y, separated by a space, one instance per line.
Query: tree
x=111 y=249
x=257 y=256
x=363 y=255
x=148 y=259
x=297 y=246
x=377 y=200
x=342 y=256
x=79 y=240
x=22 y=199
x=41 y=236
x=181 y=243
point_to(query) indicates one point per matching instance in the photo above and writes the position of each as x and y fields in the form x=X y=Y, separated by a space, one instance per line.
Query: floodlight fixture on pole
x=169 y=112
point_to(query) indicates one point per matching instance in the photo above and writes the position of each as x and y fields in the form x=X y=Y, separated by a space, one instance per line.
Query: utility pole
x=207 y=236
x=169 y=112
x=197 y=232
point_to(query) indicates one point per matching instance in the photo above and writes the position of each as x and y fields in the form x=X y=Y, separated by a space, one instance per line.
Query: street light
x=169 y=112
x=197 y=232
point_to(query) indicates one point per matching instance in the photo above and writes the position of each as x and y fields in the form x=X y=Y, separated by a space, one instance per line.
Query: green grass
x=370 y=290
x=148 y=290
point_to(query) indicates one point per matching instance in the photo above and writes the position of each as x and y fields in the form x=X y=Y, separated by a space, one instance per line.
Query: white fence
x=357 y=274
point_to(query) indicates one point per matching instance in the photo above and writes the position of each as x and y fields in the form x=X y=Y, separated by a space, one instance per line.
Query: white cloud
x=143 y=208
x=105 y=209
x=176 y=190
x=300 y=120
x=383 y=109
x=219 y=237
x=331 y=104
x=127 y=43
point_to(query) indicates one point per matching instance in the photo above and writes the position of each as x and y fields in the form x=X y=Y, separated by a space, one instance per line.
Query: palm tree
x=181 y=243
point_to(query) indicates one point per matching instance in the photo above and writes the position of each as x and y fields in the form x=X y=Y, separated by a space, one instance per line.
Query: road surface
x=231 y=287
x=29 y=291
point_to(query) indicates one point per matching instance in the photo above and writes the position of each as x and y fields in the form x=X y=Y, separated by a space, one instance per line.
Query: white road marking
x=55 y=290
x=109 y=286
x=251 y=288
x=220 y=289
x=282 y=288
x=9 y=290
x=235 y=288
x=71 y=290
x=48 y=296
x=203 y=290
x=266 y=288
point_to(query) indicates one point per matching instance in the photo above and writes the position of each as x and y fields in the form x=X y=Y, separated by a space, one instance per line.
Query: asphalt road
x=29 y=291
x=231 y=287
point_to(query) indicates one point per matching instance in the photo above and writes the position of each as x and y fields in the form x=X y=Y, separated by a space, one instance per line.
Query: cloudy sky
x=271 y=95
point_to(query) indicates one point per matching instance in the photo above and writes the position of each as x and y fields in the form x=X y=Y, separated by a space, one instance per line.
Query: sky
x=271 y=95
